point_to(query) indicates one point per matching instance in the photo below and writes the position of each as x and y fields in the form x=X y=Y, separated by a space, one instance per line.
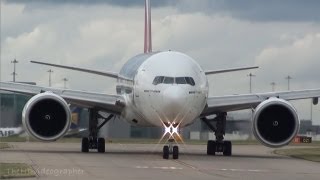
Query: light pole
x=14 y=62
x=288 y=78
x=273 y=84
x=65 y=82
x=311 y=106
x=50 y=71
x=250 y=76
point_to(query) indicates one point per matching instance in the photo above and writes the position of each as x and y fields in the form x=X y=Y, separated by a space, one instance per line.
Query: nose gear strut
x=171 y=147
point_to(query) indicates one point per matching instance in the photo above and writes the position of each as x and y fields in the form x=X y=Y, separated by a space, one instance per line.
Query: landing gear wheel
x=85 y=144
x=175 y=152
x=211 y=148
x=219 y=145
x=165 y=152
x=101 y=145
x=227 y=148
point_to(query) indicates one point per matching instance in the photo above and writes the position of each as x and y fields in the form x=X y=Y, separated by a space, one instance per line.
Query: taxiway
x=144 y=161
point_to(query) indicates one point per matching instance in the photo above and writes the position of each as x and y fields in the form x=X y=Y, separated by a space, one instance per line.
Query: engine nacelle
x=46 y=117
x=275 y=122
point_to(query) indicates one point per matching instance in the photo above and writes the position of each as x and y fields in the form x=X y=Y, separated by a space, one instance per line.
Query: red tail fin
x=147 y=28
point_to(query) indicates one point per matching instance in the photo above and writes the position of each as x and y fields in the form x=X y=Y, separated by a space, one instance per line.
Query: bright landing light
x=172 y=132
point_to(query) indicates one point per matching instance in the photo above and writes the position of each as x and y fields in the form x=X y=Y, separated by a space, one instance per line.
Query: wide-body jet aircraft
x=166 y=89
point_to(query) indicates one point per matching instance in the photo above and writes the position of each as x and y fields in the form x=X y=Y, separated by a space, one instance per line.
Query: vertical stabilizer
x=147 y=28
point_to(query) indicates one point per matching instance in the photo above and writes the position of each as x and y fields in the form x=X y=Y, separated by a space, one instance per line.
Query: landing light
x=171 y=130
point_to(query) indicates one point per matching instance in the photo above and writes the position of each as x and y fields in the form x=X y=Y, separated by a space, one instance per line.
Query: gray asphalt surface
x=144 y=161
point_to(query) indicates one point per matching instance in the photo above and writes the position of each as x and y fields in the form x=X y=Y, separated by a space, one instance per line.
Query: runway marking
x=242 y=170
x=186 y=164
x=160 y=167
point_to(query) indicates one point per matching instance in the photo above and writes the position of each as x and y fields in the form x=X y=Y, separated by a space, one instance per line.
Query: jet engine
x=275 y=122
x=46 y=116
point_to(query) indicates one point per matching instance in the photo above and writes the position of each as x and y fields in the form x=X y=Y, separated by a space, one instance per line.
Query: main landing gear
x=93 y=141
x=170 y=149
x=219 y=145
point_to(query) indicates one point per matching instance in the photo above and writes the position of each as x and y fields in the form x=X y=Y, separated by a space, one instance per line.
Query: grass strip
x=310 y=154
x=145 y=141
x=4 y=145
x=16 y=170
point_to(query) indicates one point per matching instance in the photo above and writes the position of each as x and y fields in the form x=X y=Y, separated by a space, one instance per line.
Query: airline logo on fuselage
x=6 y=133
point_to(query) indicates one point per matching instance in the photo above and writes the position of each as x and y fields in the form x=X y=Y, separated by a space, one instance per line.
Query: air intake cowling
x=275 y=122
x=46 y=117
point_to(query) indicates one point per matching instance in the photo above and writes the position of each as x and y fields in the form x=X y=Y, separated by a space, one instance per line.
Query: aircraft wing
x=249 y=101
x=103 y=102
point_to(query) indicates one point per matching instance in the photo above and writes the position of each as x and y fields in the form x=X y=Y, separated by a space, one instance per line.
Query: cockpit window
x=181 y=80
x=168 y=80
x=173 y=80
x=158 y=80
x=190 y=81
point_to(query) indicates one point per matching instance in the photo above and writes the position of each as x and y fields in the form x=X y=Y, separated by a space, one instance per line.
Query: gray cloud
x=271 y=10
x=252 y=10
x=124 y=3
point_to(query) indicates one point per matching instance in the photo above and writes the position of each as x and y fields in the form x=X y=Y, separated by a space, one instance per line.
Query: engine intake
x=46 y=117
x=275 y=122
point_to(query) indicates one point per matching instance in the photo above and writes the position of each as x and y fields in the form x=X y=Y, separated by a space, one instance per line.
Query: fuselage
x=165 y=88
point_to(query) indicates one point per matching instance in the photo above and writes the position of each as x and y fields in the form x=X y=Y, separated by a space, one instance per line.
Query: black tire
x=165 y=152
x=175 y=152
x=227 y=148
x=85 y=144
x=211 y=148
x=101 y=145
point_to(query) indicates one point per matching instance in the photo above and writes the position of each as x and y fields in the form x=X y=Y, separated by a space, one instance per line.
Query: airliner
x=10 y=131
x=166 y=89
x=73 y=131
x=19 y=131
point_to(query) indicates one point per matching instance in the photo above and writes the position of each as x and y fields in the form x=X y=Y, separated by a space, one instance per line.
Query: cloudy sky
x=282 y=37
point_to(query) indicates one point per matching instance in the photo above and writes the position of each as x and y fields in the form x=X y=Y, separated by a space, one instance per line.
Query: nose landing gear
x=219 y=145
x=170 y=149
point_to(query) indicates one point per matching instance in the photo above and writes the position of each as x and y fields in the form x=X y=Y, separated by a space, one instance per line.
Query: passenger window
x=168 y=80
x=181 y=80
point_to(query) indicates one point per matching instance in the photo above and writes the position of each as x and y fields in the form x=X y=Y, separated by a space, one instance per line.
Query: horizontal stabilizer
x=229 y=70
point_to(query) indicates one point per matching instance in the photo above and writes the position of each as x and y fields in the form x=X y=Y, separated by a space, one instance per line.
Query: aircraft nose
x=175 y=102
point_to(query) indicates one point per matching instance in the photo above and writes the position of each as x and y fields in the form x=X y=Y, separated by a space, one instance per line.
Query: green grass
x=311 y=154
x=16 y=170
x=25 y=139
x=4 y=145
x=13 y=139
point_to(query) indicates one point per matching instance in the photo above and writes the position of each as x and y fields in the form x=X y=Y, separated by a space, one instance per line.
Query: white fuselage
x=166 y=88
x=10 y=131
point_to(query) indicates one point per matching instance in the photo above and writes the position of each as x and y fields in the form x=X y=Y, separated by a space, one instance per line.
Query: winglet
x=147 y=28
